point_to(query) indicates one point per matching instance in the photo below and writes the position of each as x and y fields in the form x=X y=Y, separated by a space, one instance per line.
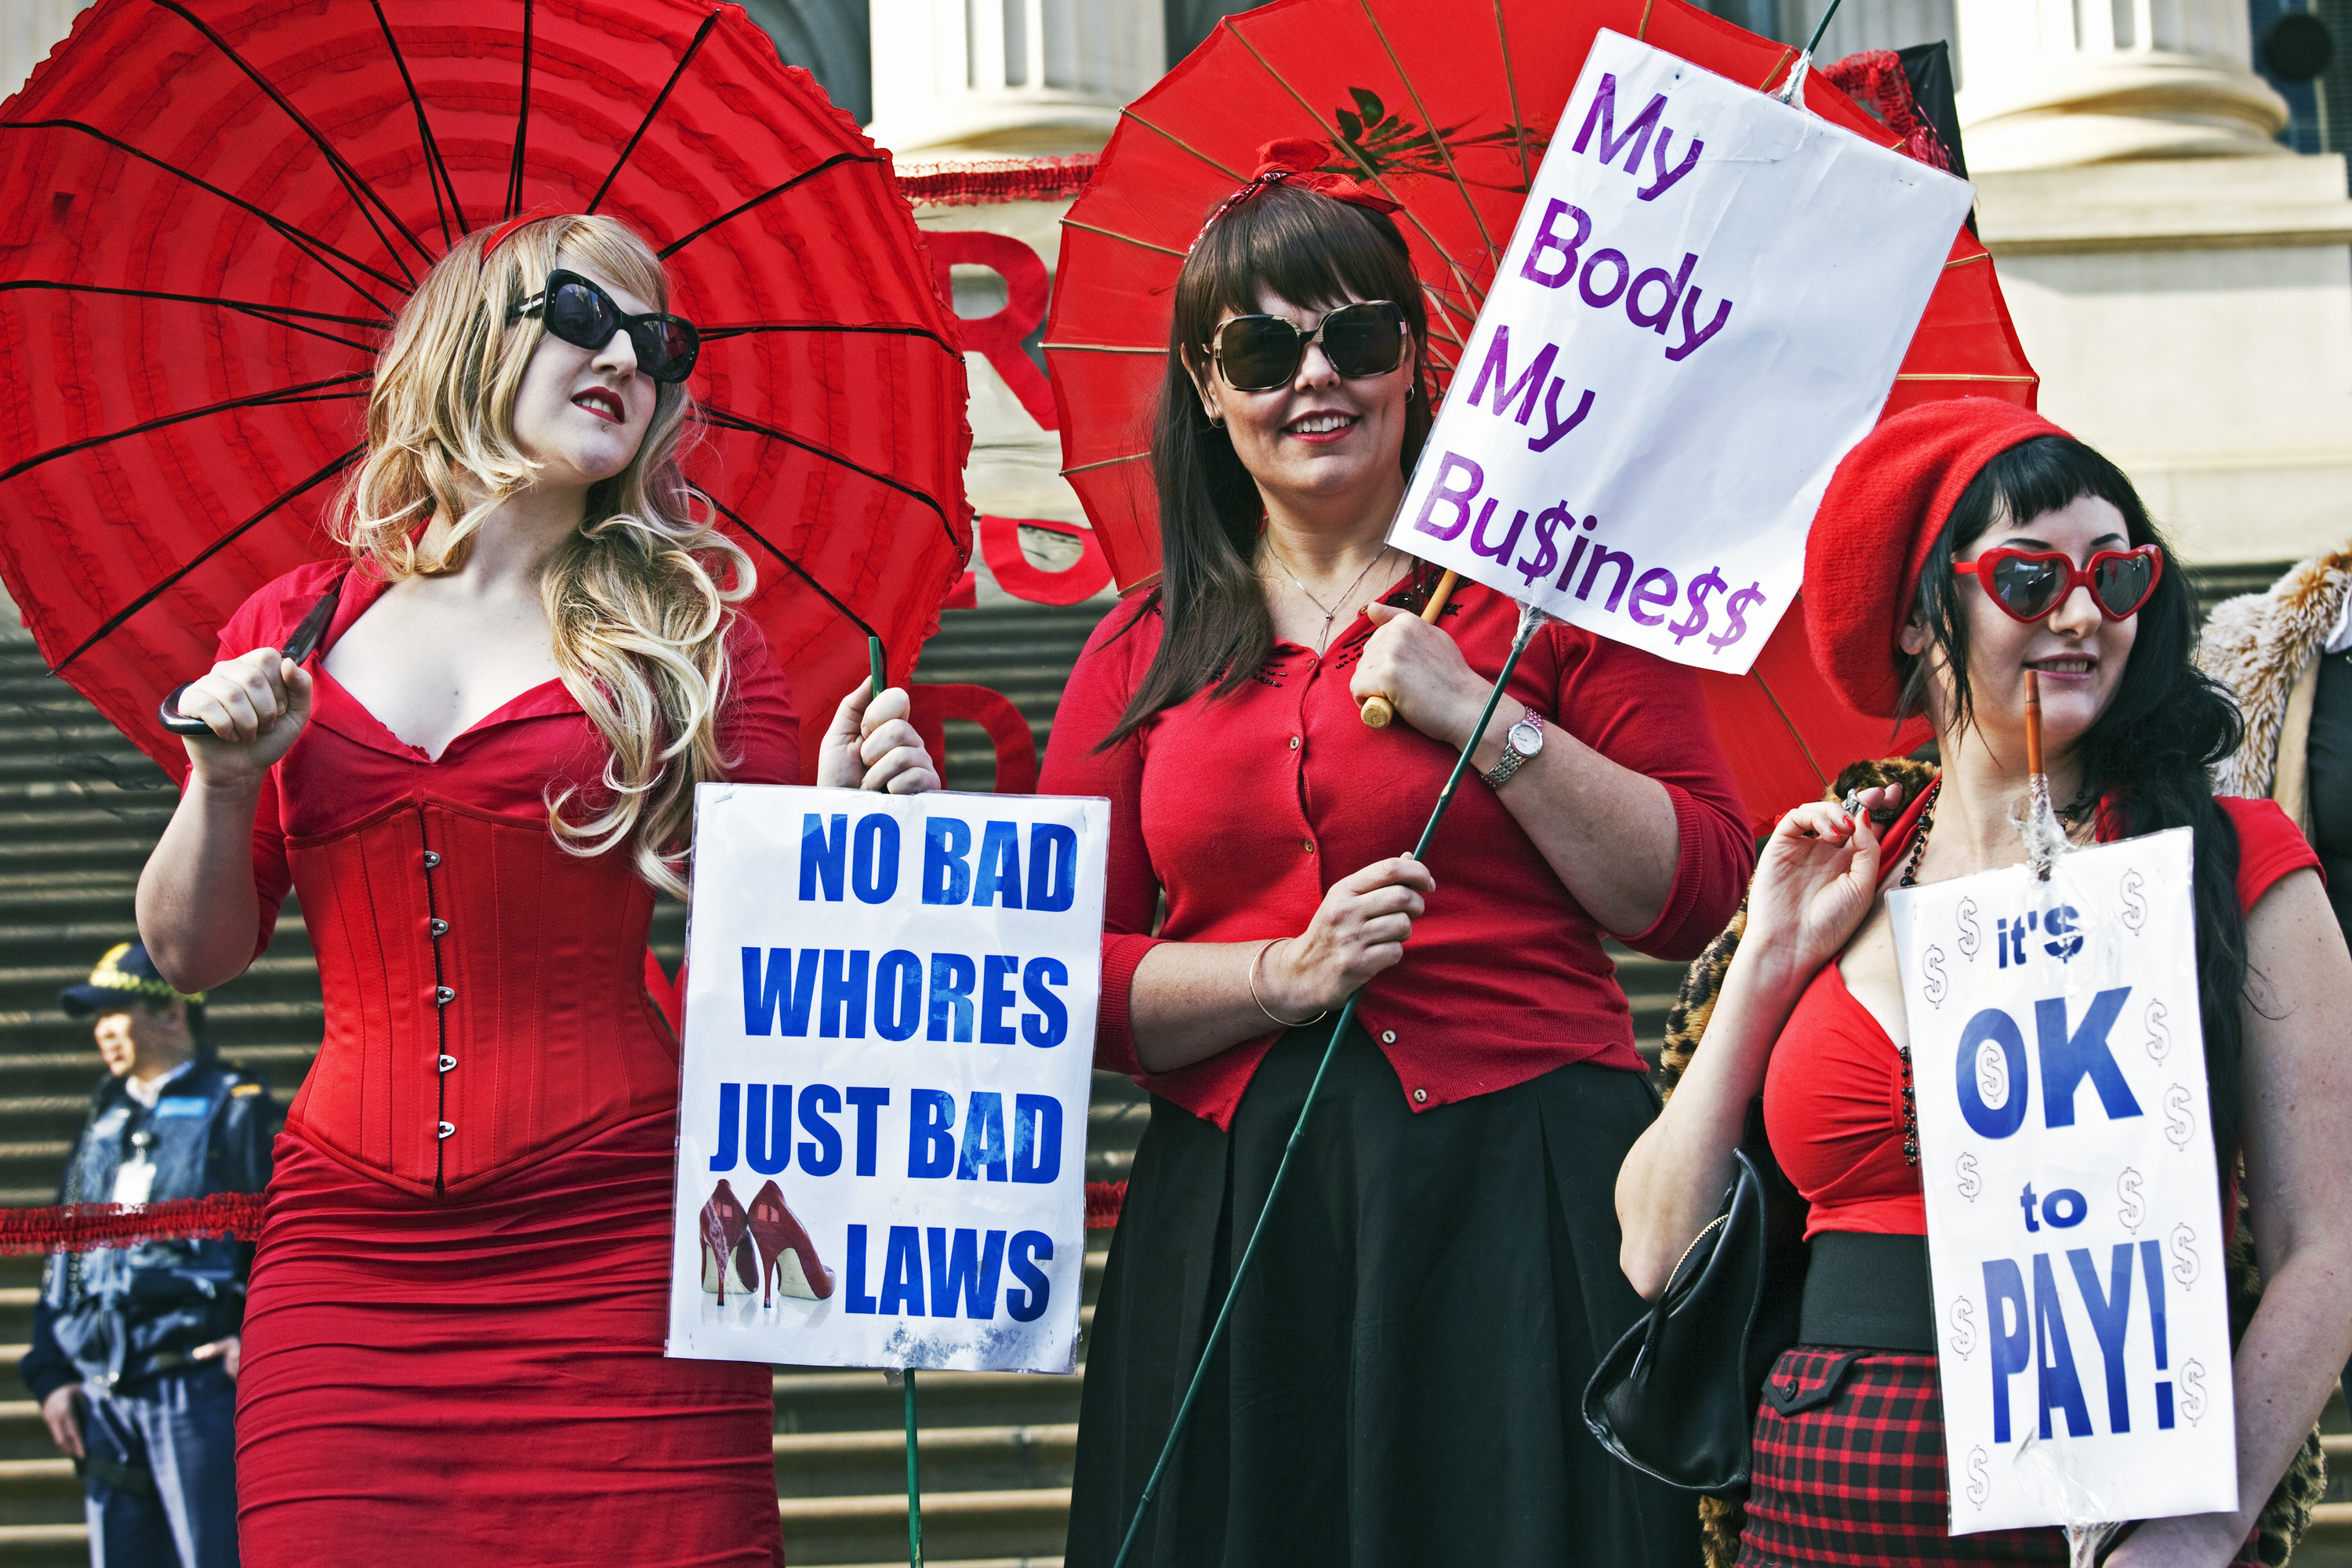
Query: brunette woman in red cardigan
x=1810 y=1013
x=452 y=1346
x=1401 y=1380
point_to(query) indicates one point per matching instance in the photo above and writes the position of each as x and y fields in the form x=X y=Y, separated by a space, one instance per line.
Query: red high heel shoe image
x=787 y=1257
x=726 y=1241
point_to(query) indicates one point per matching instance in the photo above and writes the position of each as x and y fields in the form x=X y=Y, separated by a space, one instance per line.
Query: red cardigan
x=1245 y=809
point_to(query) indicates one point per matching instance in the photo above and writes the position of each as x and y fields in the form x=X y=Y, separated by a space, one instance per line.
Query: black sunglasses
x=1259 y=353
x=582 y=314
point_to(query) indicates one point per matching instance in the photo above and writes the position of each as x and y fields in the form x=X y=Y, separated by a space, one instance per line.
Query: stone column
x=2052 y=83
x=1008 y=77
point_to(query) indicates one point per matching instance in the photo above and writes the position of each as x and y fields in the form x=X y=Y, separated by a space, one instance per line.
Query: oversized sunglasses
x=582 y=314
x=2031 y=583
x=1259 y=353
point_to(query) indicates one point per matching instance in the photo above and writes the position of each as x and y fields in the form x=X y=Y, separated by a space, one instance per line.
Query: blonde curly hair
x=639 y=597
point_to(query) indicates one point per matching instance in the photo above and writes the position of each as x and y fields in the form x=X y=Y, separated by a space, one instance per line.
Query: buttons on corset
x=443 y=995
x=448 y=1130
x=438 y=927
x=431 y=859
x=446 y=1062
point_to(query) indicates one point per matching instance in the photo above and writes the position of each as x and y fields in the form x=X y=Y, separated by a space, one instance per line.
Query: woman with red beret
x=1400 y=1378
x=1961 y=544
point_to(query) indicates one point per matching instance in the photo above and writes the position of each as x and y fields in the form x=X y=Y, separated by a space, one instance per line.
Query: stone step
x=1026 y=1523
x=954 y=1460
x=813 y=1400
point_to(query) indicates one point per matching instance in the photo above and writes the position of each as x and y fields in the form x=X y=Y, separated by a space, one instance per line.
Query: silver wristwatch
x=1523 y=740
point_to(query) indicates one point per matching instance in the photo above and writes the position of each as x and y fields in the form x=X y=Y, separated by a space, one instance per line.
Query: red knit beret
x=1884 y=506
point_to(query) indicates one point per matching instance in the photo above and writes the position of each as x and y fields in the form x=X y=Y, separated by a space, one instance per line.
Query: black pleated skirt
x=1401 y=1382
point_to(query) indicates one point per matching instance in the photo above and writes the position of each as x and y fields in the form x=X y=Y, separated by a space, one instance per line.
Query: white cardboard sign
x=888 y=1043
x=1703 y=307
x=2075 y=1226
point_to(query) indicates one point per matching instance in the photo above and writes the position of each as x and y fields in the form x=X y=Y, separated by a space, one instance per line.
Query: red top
x=485 y=991
x=1245 y=809
x=1833 y=1092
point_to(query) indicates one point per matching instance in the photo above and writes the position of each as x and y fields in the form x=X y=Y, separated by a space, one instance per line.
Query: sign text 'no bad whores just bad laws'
x=889 y=1041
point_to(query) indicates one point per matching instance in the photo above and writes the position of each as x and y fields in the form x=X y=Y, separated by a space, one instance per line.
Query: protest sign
x=2074 y=1224
x=888 y=1043
x=1702 y=309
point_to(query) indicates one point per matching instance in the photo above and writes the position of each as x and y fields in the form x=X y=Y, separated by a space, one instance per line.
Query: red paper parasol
x=1439 y=109
x=212 y=209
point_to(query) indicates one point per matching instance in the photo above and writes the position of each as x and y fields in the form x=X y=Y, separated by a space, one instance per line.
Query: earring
x=1215 y=423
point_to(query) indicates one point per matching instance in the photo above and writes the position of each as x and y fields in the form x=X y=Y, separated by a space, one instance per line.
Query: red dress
x=453 y=1343
x=1862 y=1479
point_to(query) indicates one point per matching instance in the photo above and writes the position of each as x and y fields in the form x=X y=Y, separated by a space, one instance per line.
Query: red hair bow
x=1298 y=161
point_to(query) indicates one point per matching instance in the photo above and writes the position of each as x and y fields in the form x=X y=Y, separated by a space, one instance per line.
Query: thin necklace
x=1329 y=613
x=1910 y=879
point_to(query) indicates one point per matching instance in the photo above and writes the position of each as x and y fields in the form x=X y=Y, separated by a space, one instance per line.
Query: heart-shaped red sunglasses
x=2028 y=585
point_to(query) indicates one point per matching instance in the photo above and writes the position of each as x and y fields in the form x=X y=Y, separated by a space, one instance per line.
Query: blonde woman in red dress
x=453 y=1348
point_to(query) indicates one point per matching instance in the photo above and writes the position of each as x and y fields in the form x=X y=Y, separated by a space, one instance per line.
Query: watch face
x=1527 y=737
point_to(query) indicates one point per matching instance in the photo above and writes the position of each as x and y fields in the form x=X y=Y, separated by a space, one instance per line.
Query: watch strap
x=1513 y=758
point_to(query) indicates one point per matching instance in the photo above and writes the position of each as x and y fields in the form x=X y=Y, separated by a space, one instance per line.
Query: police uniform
x=159 y=1475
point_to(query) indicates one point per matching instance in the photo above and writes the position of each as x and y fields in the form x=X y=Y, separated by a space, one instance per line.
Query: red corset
x=486 y=1002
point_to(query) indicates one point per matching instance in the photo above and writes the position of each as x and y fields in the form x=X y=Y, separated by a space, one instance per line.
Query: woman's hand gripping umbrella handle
x=1378 y=711
x=302 y=646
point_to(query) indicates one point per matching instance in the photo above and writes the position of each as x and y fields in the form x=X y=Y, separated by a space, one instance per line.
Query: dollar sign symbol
x=1992 y=1073
x=2185 y=1263
x=1932 y=966
x=2135 y=907
x=2180 y=1125
x=1980 y=1483
x=1690 y=625
x=2192 y=1391
x=1971 y=1185
x=1972 y=934
x=1736 y=609
x=1964 y=1326
x=2160 y=1039
x=2127 y=1189
x=1545 y=557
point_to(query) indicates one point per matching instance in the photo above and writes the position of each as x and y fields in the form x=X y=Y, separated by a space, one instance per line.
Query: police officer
x=135 y=1349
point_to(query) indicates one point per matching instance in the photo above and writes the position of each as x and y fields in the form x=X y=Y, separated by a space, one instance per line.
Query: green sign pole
x=913 y=1483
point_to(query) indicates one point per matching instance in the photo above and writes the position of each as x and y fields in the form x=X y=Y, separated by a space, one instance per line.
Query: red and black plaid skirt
x=1855 y=1474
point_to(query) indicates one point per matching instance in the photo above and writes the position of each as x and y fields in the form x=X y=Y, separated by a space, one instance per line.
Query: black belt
x=1867 y=1291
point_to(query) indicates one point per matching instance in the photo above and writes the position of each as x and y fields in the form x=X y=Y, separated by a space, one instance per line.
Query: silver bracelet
x=1262 y=1007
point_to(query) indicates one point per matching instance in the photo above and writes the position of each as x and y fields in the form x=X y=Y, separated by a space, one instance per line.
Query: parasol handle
x=2032 y=721
x=1378 y=711
x=300 y=646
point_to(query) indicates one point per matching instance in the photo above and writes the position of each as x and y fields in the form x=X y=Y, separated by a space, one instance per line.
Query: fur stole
x=2287 y=1514
x=2258 y=645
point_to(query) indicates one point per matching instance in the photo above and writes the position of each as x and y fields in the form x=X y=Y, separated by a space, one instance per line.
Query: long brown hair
x=638 y=595
x=1311 y=250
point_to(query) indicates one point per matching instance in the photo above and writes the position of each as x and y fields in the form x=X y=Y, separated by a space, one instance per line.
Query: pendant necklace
x=1910 y=879
x=1330 y=612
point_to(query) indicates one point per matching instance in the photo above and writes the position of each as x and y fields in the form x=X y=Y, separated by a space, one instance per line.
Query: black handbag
x=1675 y=1399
